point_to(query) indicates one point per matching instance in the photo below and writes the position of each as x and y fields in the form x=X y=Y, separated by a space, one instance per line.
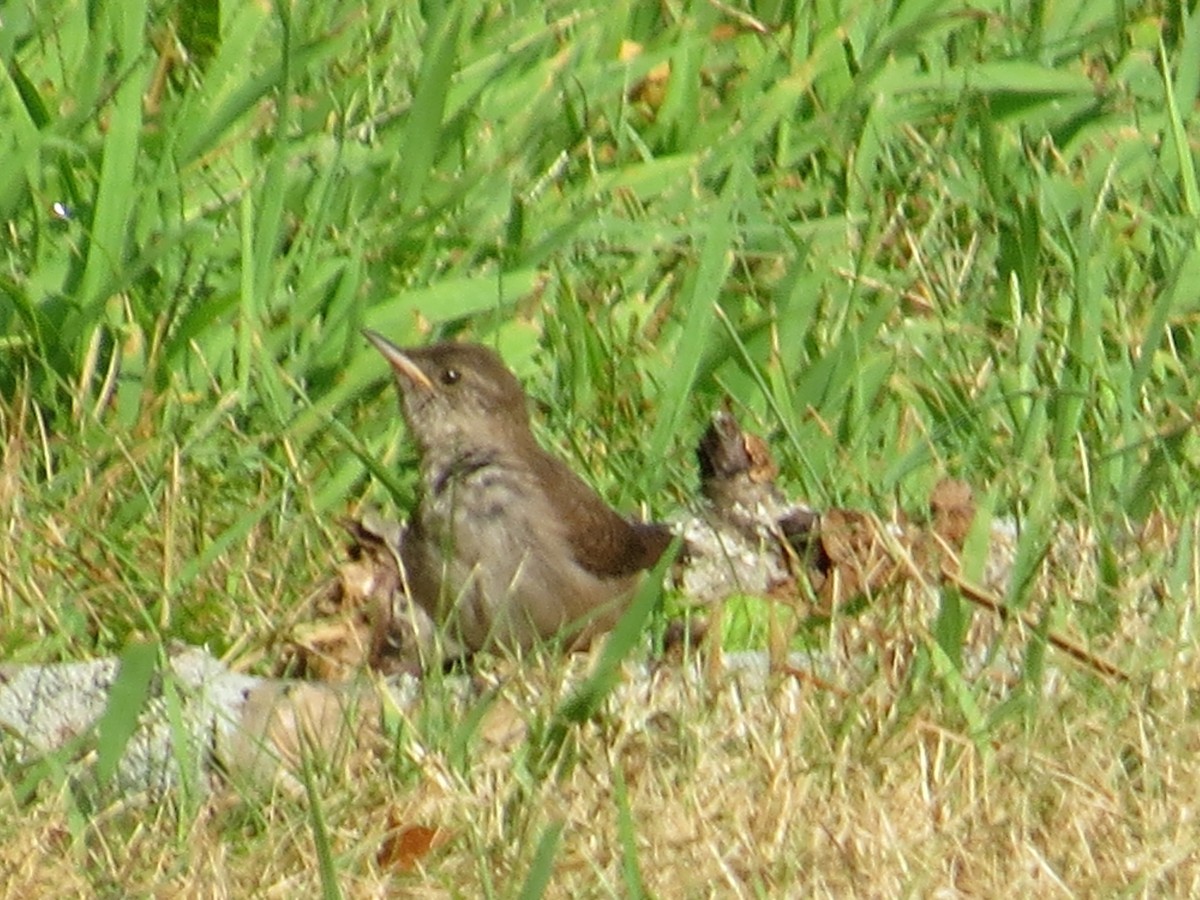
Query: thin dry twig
x=994 y=604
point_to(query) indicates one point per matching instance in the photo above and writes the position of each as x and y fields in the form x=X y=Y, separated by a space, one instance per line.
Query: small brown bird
x=508 y=547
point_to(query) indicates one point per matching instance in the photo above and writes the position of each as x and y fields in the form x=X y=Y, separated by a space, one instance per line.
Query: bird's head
x=456 y=395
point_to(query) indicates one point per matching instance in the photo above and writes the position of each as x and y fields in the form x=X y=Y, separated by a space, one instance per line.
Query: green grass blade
x=977 y=726
x=1179 y=141
x=697 y=309
x=585 y=701
x=541 y=870
x=631 y=872
x=127 y=698
x=113 y=205
x=322 y=846
x=423 y=130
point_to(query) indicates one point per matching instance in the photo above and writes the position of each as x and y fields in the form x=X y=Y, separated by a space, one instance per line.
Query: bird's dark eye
x=451 y=376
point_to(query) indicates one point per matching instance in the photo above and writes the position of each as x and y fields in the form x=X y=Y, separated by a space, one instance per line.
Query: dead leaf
x=405 y=846
x=365 y=617
x=503 y=725
x=953 y=507
x=858 y=557
x=652 y=90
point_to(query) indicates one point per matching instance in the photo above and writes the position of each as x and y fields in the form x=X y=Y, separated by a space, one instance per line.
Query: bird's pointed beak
x=398 y=359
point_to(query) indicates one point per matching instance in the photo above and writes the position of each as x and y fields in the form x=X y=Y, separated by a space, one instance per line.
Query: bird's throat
x=460 y=466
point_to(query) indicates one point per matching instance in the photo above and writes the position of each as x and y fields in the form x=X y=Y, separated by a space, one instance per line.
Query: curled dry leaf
x=855 y=557
x=504 y=725
x=364 y=617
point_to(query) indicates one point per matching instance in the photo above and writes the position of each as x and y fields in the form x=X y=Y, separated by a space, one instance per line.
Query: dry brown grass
x=736 y=788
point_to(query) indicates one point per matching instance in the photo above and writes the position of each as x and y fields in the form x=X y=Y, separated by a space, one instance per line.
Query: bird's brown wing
x=602 y=541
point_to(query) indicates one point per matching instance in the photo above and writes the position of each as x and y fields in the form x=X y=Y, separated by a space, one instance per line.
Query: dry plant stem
x=981 y=597
x=815 y=680
x=990 y=602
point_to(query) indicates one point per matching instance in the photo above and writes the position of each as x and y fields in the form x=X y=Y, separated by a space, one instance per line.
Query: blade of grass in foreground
x=1180 y=141
x=114 y=196
x=543 y=863
x=630 y=869
x=977 y=726
x=424 y=124
x=126 y=699
x=330 y=890
x=585 y=701
x=697 y=308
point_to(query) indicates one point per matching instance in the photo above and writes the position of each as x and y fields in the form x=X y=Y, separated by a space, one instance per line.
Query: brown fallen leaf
x=406 y=845
x=281 y=722
x=364 y=618
x=856 y=555
x=952 y=506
